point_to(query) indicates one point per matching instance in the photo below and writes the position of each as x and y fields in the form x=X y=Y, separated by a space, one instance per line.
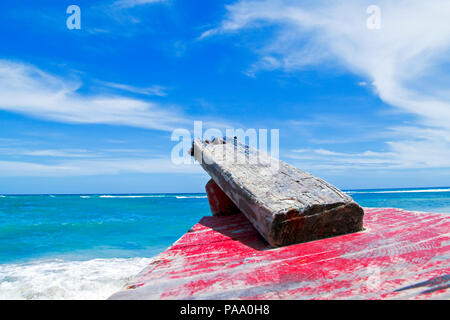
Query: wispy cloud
x=401 y=155
x=21 y=162
x=94 y=167
x=27 y=89
x=134 y=3
x=53 y=153
x=404 y=61
x=97 y=153
x=148 y=91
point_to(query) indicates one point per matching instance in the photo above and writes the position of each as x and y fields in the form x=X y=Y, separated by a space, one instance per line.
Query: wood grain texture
x=400 y=255
x=285 y=204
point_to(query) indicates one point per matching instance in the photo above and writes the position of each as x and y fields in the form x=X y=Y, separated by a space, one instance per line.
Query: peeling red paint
x=400 y=255
x=219 y=202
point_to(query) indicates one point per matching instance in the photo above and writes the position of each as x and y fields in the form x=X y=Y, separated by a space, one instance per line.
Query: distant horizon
x=177 y=193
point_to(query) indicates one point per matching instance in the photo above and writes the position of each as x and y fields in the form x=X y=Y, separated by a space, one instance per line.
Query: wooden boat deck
x=399 y=255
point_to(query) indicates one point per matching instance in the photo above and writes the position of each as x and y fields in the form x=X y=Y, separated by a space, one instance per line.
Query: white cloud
x=31 y=91
x=134 y=3
x=54 y=153
x=406 y=61
x=28 y=90
x=94 y=167
x=149 y=91
x=428 y=153
x=84 y=162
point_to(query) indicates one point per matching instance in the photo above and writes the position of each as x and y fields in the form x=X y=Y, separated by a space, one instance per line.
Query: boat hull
x=399 y=255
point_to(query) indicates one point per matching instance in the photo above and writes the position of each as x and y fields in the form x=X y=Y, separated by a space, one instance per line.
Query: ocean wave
x=2 y=196
x=153 y=196
x=73 y=280
x=399 y=191
x=85 y=197
x=125 y=197
x=191 y=197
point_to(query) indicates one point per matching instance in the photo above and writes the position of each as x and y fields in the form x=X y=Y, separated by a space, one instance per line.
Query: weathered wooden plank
x=285 y=204
x=400 y=255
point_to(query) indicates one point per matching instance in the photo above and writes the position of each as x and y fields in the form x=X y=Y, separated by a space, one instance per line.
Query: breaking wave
x=58 y=279
x=154 y=196
x=125 y=197
x=191 y=197
x=400 y=191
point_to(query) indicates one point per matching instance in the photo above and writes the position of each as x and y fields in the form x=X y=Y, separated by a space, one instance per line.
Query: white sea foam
x=400 y=191
x=191 y=197
x=154 y=196
x=58 y=279
x=2 y=196
x=85 y=197
x=147 y=196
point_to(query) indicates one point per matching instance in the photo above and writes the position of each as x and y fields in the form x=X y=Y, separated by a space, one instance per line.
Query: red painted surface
x=400 y=255
x=219 y=202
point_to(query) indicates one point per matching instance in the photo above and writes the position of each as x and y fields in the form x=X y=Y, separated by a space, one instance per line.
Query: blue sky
x=92 y=110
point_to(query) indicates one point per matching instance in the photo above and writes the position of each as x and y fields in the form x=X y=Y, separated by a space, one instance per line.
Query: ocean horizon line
x=398 y=189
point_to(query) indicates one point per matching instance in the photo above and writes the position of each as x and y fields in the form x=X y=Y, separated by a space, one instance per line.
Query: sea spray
x=58 y=279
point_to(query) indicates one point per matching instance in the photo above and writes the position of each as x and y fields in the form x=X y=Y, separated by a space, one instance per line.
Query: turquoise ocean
x=88 y=246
